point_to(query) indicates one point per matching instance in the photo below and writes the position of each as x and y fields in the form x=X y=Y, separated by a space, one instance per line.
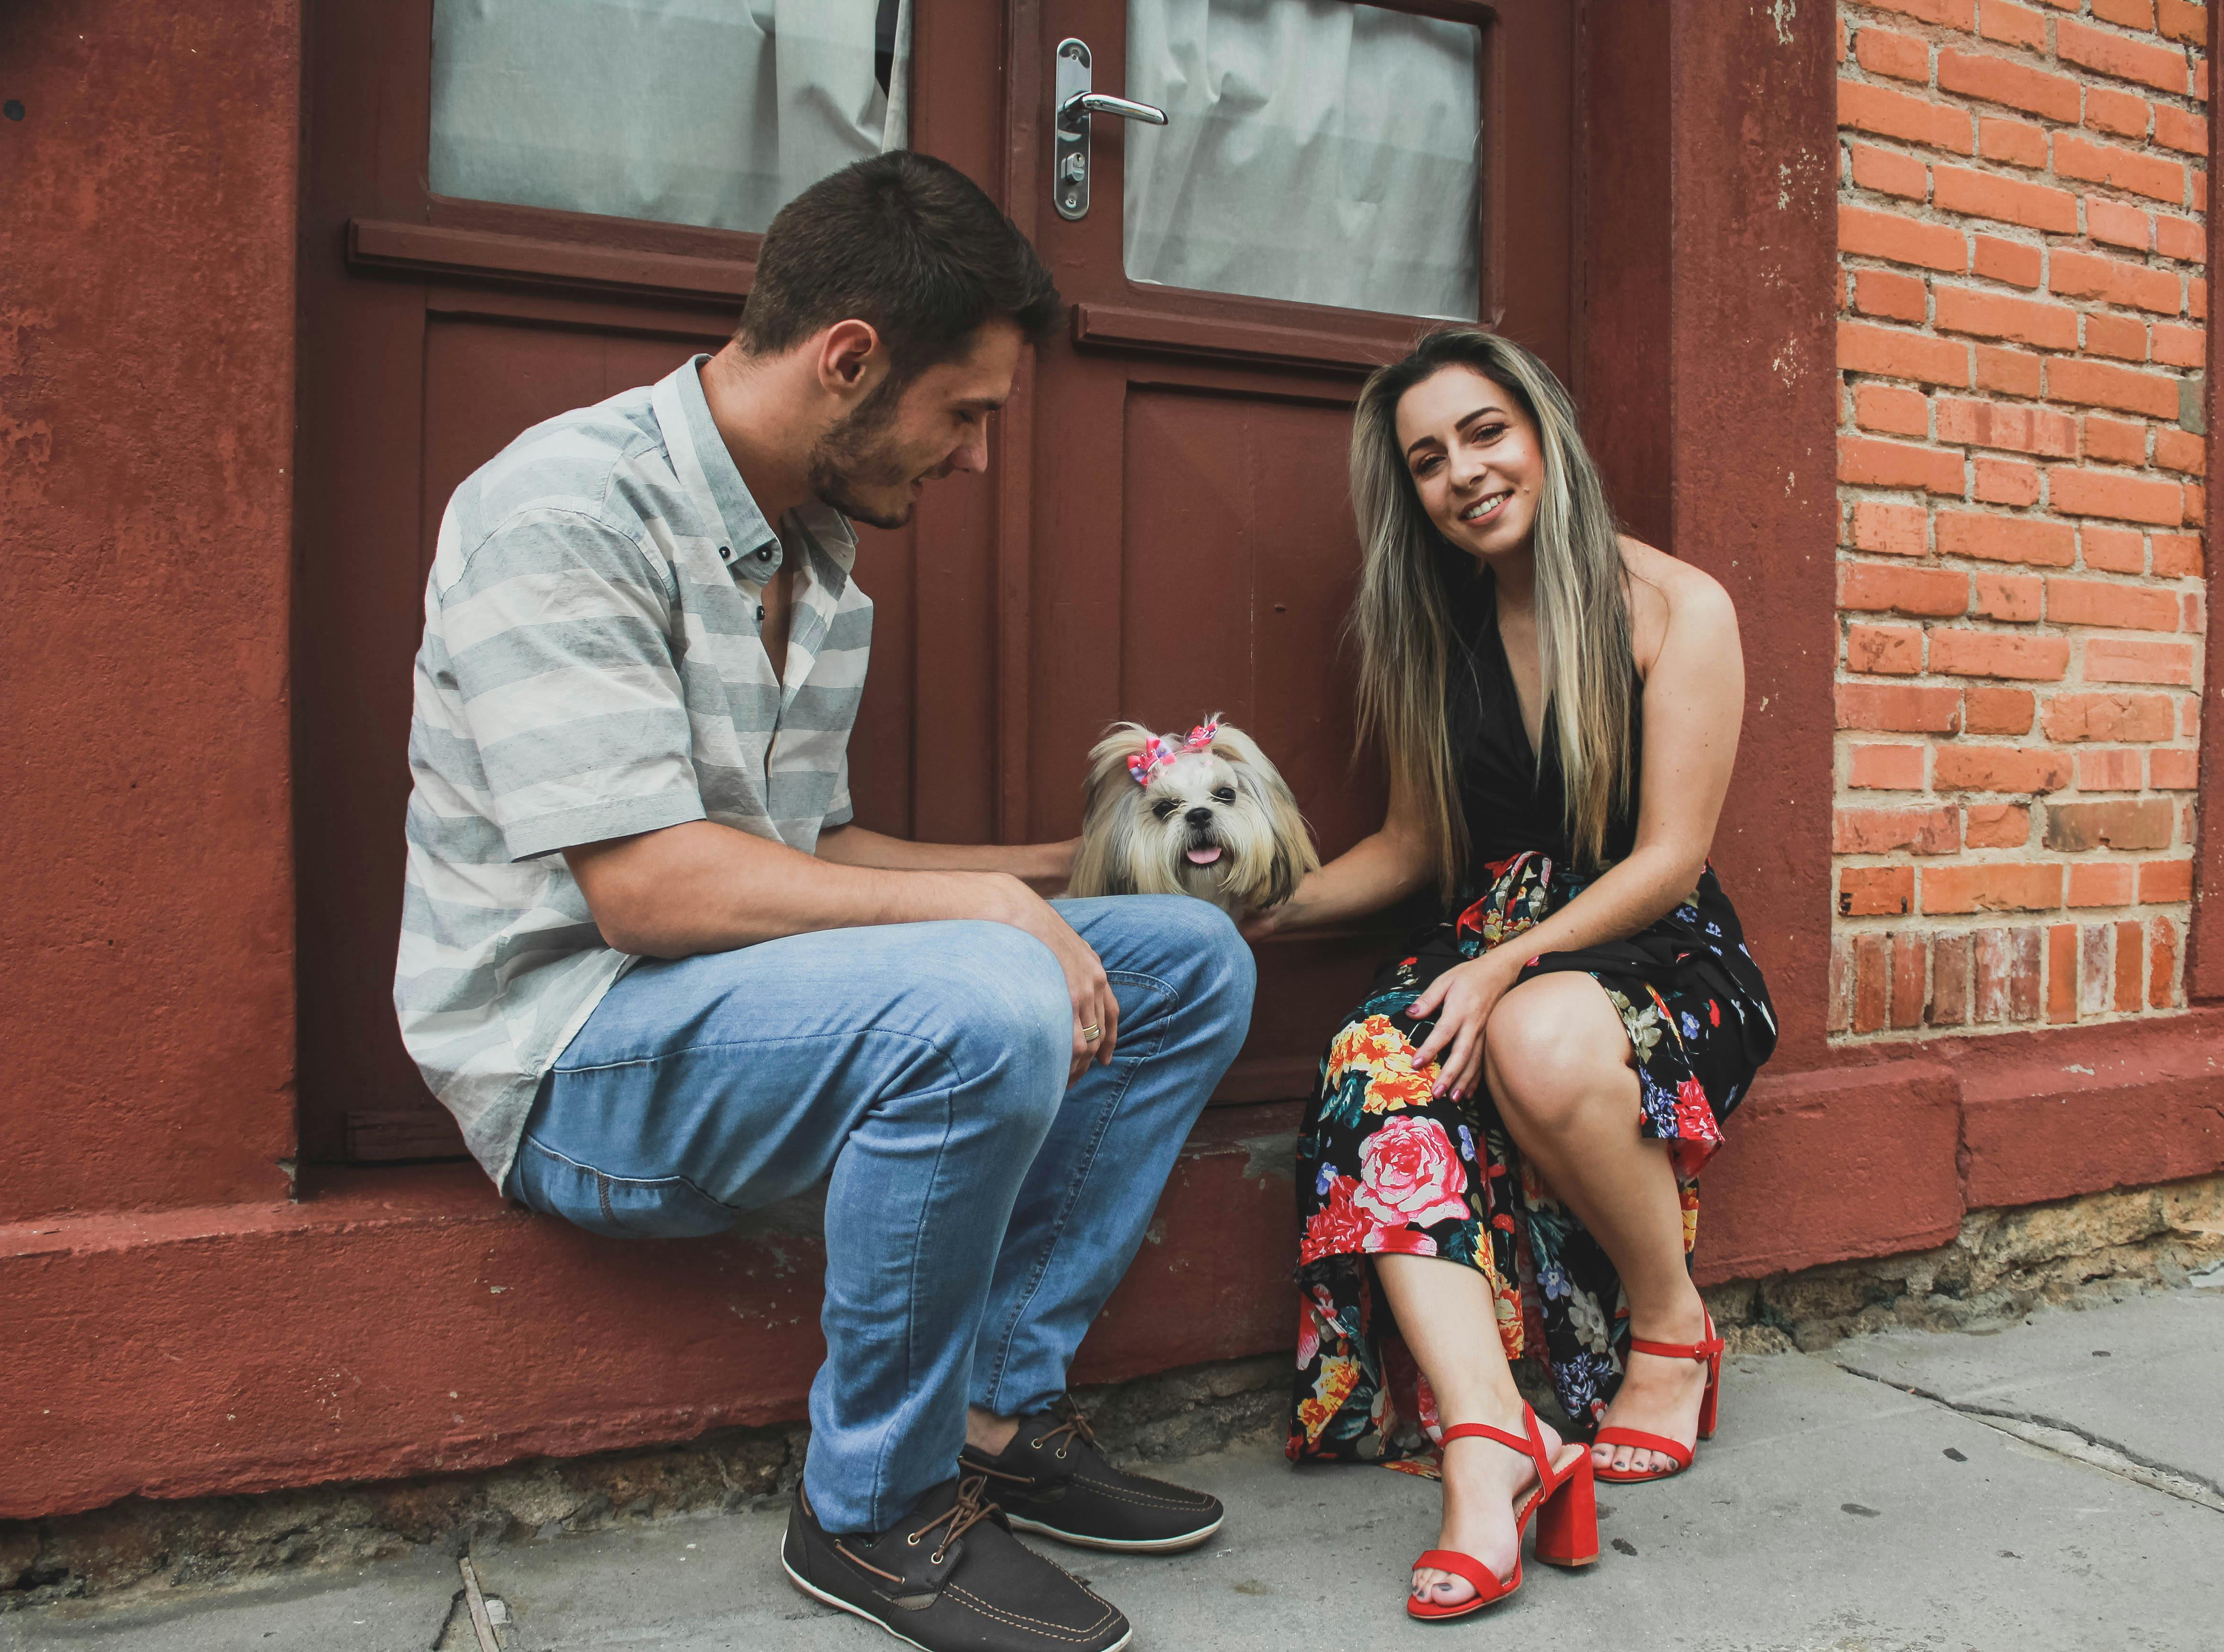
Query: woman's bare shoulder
x=1666 y=594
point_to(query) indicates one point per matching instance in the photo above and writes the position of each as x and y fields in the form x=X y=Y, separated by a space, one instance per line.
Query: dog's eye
x=1162 y=809
x=1225 y=795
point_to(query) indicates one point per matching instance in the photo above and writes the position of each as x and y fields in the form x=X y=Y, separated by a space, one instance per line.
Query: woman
x=1501 y=1154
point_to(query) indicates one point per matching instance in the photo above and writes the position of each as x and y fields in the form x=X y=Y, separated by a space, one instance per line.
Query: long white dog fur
x=1215 y=821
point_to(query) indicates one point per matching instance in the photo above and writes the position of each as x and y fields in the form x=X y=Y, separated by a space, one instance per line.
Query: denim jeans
x=978 y=1210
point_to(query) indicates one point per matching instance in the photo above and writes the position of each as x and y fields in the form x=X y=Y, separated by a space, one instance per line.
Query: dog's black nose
x=1199 y=816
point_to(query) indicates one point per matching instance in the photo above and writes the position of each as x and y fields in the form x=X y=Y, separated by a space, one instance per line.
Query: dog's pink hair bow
x=1160 y=750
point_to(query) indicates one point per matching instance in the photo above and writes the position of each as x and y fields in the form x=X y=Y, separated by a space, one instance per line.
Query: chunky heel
x=1707 y=1405
x=1567 y=1522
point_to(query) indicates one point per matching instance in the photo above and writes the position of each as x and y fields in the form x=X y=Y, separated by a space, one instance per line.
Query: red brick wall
x=2022 y=340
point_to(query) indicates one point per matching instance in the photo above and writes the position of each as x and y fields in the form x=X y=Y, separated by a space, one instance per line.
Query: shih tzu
x=1206 y=815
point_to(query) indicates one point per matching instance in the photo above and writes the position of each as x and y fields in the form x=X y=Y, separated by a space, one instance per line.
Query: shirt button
x=760 y=613
x=725 y=553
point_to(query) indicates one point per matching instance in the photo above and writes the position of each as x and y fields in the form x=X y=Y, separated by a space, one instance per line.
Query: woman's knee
x=1549 y=1055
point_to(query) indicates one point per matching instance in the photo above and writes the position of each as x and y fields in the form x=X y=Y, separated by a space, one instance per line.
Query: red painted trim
x=421 y=249
x=1710 y=397
x=1875 y=1150
x=409 y=1322
x=2054 y=1115
x=2204 y=957
x=146 y=461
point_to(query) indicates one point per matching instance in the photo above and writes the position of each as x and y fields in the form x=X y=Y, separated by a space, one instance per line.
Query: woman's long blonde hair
x=1402 y=618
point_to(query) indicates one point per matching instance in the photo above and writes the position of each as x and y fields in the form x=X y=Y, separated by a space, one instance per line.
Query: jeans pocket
x=618 y=1207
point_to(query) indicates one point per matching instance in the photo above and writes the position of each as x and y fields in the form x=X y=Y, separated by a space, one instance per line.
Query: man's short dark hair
x=908 y=243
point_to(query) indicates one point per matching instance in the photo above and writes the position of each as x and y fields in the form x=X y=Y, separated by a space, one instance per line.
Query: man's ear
x=850 y=360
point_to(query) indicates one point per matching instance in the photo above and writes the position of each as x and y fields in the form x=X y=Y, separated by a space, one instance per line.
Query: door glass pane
x=1314 y=150
x=689 y=111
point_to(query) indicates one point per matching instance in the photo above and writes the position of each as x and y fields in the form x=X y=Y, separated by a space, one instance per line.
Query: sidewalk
x=2057 y=1484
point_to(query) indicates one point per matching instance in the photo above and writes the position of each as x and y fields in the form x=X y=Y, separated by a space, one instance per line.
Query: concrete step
x=2027 y=1494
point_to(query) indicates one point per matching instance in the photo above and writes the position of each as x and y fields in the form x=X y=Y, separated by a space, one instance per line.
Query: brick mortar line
x=1987 y=166
x=1942 y=34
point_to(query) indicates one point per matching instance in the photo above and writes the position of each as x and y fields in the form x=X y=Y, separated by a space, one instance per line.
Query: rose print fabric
x=1384 y=1167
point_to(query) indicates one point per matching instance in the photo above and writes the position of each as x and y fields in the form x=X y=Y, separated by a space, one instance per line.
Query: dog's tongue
x=1204 y=857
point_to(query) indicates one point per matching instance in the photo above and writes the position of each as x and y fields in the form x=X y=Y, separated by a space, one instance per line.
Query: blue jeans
x=978 y=1211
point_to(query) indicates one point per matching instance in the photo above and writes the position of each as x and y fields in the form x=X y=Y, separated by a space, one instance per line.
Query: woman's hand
x=1461 y=999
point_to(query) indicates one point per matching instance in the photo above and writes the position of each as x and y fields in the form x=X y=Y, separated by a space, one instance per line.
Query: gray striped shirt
x=591 y=669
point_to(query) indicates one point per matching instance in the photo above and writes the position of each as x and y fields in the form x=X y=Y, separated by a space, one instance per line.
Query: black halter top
x=1513 y=800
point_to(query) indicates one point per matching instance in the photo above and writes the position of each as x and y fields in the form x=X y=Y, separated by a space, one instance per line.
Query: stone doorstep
x=2002 y=1263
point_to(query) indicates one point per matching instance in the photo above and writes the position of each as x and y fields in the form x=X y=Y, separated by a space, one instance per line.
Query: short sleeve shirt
x=592 y=668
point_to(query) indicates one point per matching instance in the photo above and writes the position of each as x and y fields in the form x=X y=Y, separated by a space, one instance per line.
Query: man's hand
x=1094 y=1005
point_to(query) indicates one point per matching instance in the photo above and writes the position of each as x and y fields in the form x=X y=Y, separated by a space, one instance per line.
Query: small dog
x=1207 y=815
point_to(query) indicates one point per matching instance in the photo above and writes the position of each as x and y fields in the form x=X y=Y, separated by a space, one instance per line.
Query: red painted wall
x=145 y=413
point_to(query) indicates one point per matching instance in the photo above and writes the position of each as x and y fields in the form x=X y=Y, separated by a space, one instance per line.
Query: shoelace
x=1074 y=1427
x=971 y=1507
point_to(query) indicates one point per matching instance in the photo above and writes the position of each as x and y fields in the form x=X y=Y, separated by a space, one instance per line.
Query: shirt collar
x=706 y=470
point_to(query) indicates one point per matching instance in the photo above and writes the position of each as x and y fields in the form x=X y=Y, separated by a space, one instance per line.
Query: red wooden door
x=1192 y=546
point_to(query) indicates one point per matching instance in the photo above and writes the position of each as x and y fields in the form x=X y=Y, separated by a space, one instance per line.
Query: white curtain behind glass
x=1314 y=150
x=688 y=111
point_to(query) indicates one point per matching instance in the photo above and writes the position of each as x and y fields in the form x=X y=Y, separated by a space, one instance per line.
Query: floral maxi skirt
x=1386 y=1168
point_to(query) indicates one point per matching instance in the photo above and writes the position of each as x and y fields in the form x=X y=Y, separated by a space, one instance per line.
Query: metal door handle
x=1070 y=129
x=1073 y=114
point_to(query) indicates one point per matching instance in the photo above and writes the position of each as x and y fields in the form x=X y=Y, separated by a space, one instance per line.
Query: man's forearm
x=1045 y=867
x=706 y=888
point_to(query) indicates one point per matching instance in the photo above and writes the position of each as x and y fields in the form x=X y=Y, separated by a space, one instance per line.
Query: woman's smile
x=1487 y=508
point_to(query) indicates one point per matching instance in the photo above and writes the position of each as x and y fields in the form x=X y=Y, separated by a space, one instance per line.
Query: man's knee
x=1192 y=945
x=1002 y=998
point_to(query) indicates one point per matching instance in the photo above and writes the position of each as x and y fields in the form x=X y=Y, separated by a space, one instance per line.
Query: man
x=660 y=978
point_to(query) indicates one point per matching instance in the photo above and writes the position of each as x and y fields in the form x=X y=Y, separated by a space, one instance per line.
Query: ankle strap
x=1706 y=1348
x=1532 y=1447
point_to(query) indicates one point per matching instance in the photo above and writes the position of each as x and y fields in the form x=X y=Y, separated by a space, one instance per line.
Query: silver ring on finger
x=1091 y=1032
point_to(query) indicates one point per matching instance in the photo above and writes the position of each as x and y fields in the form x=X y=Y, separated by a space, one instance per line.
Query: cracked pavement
x=2055 y=1483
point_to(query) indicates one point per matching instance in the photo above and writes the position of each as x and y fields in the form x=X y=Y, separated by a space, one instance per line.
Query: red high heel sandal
x=1708 y=1350
x=1566 y=1511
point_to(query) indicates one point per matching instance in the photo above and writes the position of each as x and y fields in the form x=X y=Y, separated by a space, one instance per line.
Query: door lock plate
x=1070 y=149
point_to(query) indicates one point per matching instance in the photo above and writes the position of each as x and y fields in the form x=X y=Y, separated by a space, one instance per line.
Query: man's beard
x=854 y=455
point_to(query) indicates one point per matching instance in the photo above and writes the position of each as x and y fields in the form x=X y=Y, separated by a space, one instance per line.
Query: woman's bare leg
x=1558 y=1064
x=1445 y=1313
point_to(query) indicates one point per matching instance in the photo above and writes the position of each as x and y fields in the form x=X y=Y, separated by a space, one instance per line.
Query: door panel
x=486 y=382
x=1235 y=556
